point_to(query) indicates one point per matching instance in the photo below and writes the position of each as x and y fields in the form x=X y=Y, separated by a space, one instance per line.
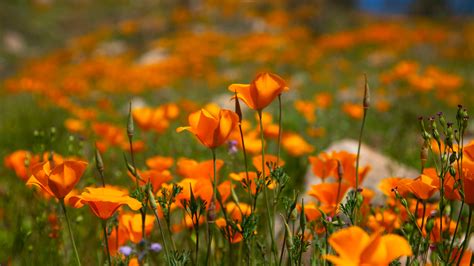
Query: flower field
x=186 y=132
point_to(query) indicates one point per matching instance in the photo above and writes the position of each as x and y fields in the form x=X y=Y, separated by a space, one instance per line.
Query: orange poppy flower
x=422 y=187
x=59 y=180
x=369 y=250
x=468 y=181
x=159 y=163
x=156 y=178
x=242 y=176
x=151 y=119
x=189 y=168
x=307 y=109
x=132 y=222
x=272 y=159
x=449 y=191
x=323 y=165
x=17 y=162
x=329 y=195
x=202 y=188
x=323 y=100
x=236 y=211
x=295 y=145
x=355 y=111
x=235 y=236
x=348 y=161
x=387 y=185
x=261 y=91
x=104 y=201
x=311 y=211
x=385 y=220
x=212 y=131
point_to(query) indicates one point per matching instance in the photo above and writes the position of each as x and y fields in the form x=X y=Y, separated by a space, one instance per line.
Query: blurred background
x=74 y=65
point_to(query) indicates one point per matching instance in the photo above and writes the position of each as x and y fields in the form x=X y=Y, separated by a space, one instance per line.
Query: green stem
x=70 y=232
x=265 y=193
x=357 y=164
x=104 y=227
x=451 y=246
x=279 y=129
x=155 y=212
x=249 y=187
x=467 y=237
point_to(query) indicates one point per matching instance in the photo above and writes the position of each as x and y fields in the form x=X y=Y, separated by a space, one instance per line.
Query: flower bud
x=366 y=102
x=429 y=225
x=130 y=126
x=99 y=163
x=211 y=212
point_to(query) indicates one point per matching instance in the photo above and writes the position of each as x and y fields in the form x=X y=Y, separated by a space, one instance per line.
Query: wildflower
x=104 y=201
x=159 y=163
x=125 y=250
x=232 y=147
x=322 y=165
x=370 y=250
x=57 y=180
x=261 y=91
x=212 y=131
x=155 y=247
x=295 y=145
x=422 y=187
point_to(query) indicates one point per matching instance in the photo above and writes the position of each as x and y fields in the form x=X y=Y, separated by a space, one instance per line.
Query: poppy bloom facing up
x=212 y=131
x=57 y=180
x=261 y=92
x=368 y=250
x=104 y=201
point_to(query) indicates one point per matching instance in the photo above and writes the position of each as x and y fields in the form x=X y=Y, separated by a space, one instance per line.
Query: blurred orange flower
x=354 y=110
x=269 y=159
x=323 y=165
x=295 y=145
x=159 y=163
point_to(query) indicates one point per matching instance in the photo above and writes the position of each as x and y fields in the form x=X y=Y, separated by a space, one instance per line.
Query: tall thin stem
x=265 y=193
x=153 y=206
x=467 y=237
x=70 y=232
x=356 y=211
x=104 y=227
x=279 y=129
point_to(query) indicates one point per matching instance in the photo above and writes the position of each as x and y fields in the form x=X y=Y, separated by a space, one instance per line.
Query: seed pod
x=289 y=235
x=152 y=199
x=366 y=102
x=429 y=225
x=99 y=163
x=238 y=110
x=130 y=126
x=340 y=170
x=211 y=212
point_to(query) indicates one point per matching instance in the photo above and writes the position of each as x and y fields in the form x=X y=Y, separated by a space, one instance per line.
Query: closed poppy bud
x=98 y=161
x=429 y=225
x=212 y=131
x=130 y=126
x=211 y=212
x=261 y=92
x=366 y=102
